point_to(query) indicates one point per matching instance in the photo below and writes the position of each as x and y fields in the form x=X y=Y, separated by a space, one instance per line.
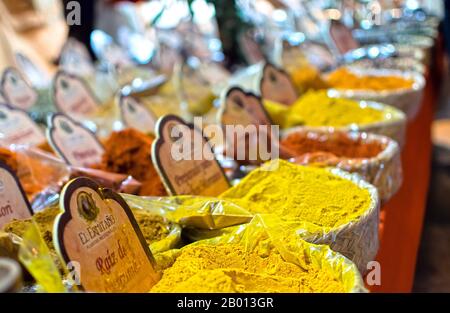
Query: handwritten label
x=13 y=201
x=276 y=85
x=185 y=160
x=16 y=127
x=17 y=90
x=75 y=58
x=77 y=145
x=135 y=115
x=72 y=96
x=98 y=230
x=342 y=37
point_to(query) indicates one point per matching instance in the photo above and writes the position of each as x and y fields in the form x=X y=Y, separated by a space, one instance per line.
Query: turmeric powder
x=300 y=193
x=343 y=78
x=231 y=268
x=318 y=109
x=129 y=152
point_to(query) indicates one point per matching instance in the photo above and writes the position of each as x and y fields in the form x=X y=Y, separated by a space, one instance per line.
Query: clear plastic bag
x=270 y=232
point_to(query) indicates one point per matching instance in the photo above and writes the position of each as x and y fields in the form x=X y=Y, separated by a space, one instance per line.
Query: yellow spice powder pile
x=318 y=109
x=300 y=193
x=230 y=268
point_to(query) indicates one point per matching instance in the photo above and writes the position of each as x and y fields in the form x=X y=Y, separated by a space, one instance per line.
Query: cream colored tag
x=342 y=37
x=135 y=115
x=13 y=201
x=17 y=91
x=16 y=127
x=72 y=96
x=185 y=160
x=77 y=145
x=98 y=231
x=276 y=85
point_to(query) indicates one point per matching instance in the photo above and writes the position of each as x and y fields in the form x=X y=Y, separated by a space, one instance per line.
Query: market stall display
x=134 y=168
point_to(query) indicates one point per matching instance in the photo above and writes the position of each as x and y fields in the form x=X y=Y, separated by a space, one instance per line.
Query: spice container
x=330 y=206
x=375 y=158
x=322 y=111
x=403 y=90
x=259 y=257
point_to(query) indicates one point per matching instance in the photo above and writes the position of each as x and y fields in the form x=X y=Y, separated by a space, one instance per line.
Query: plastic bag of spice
x=261 y=256
x=42 y=175
x=194 y=212
x=330 y=206
x=375 y=158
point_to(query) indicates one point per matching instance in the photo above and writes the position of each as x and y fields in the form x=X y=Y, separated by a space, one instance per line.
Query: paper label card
x=276 y=85
x=13 y=201
x=243 y=108
x=74 y=143
x=255 y=144
x=185 y=160
x=17 y=90
x=16 y=127
x=135 y=115
x=75 y=58
x=342 y=37
x=72 y=96
x=35 y=75
x=98 y=230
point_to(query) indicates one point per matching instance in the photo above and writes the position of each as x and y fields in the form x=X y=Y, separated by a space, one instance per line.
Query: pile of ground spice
x=153 y=227
x=231 y=268
x=129 y=152
x=300 y=193
x=343 y=78
x=316 y=108
x=338 y=144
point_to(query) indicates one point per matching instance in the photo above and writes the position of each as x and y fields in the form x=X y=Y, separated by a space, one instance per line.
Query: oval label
x=135 y=115
x=185 y=160
x=16 y=127
x=72 y=96
x=17 y=91
x=74 y=143
x=97 y=230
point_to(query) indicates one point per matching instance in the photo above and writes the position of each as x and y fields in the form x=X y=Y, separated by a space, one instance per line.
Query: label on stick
x=342 y=37
x=13 y=201
x=74 y=143
x=276 y=85
x=135 y=115
x=97 y=230
x=17 y=91
x=185 y=160
x=16 y=127
x=72 y=96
